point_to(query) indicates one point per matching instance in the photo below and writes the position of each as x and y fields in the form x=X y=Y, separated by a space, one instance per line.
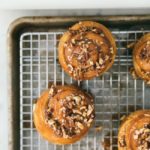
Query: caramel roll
x=87 y=50
x=64 y=114
x=134 y=133
x=141 y=58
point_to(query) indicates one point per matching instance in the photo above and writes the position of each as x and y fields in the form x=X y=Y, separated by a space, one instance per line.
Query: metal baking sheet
x=33 y=64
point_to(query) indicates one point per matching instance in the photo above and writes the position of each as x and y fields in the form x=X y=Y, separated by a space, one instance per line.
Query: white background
x=89 y=7
x=72 y=4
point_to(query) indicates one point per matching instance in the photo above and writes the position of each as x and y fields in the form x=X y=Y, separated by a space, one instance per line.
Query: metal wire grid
x=116 y=92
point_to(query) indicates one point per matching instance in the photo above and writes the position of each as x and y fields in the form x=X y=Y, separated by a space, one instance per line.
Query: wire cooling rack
x=116 y=92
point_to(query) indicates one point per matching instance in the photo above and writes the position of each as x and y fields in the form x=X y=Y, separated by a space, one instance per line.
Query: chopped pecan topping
x=64 y=132
x=97 y=65
x=101 y=61
x=73 y=41
x=148 y=43
x=106 y=57
x=51 y=91
x=51 y=122
x=76 y=115
x=102 y=34
x=133 y=73
x=111 y=49
x=80 y=125
x=65 y=44
x=142 y=136
x=91 y=62
x=77 y=99
x=90 y=110
x=145 y=53
x=122 y=141
x=147 y=115
x=89 y=122
x=83 y=108
x=81 y=47
x=77 y=112
x=101 y=43
x=84 y=114
x=70 y=68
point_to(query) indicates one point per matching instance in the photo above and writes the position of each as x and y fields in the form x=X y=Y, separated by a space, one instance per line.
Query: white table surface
x=73 y=4
x=6 y=17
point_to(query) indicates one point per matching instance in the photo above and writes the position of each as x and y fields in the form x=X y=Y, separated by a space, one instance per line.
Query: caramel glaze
x=86 y=50
x=63 y=114
x=141 y=58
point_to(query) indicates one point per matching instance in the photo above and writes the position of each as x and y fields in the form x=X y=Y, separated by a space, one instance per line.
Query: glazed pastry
x=87 y=50
x=141 y=58
x=134 y=133
x=64 y=114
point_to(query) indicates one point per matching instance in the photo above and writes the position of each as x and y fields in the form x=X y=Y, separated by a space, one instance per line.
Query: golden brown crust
x=141 y=58
x=130 y=134
x=56 y=114
x=87 y=50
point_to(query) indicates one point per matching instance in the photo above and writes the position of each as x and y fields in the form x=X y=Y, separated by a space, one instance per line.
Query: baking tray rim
x=14 y=28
